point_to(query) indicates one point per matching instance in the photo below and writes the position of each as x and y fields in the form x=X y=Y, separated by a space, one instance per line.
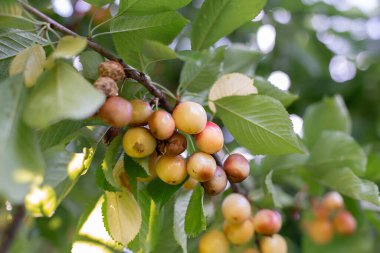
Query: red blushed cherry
x=344 y=223
x=210 y=140
x=267 y=222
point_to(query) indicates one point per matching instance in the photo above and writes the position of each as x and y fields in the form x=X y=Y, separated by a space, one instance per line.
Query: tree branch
x=129 y=71
x=11 y=229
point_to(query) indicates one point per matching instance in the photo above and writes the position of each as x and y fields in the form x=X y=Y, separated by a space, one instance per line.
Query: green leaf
x=113 y=154
x=30 y=62
x=273 y=191
x=61 y=93
x=99 y=3
x=180 y=208
x=264 y=87
x=199 y=75
x=150 y=7
x=123 y=216
x=130 y=32
x=346 y=182
x=329 y=114
x=133 y=168
x=10 y=7
x=13 y=41
x=162 y=196
x=10 y=21
x=334 y=150
x=195 y=219
x=20 y=156
x=90 y=61
x=68 y=47
x=259 y=123
x=241 y=60
x=373 y=164
x=218 y=18
x=154 y=51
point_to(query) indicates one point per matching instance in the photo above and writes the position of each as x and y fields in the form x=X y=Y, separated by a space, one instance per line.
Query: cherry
x=161 y=124
x=239 y=233
x=333 y=201
x=141 y=112
x=217 y=184
x=116 y=112
x=138 y=142
x=236 y=168
x=173 y=146
x=213 y=241
x=344 y=223
x=190 y=184
x=267 y=222
x=171 y=170
x=201 y=166
x=190 y=117
x=320 y=231
x=210 y=140
x=273 y=244
x=236 y=208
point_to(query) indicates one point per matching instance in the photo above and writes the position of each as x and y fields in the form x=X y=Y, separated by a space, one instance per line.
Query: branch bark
x=11 y=229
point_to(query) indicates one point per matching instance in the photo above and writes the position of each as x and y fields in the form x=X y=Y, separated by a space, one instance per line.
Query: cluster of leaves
x=49 y=139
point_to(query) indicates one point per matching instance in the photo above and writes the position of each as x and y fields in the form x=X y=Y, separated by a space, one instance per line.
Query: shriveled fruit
x=107 y=85
x=171 y=170
x=217 y=184
x=141 y=112
x=112 y=69
x=213 y=241
x=190 y=117
x=344 y=223
x=236 y=167
x=161 y=124
x=267 y=222
x=333 y=201
x=320 y=231
x=273 y=244
x=190 y=184
x=239 y=233
x=139 y=142
x=201 y=166
x=173 y=146
x=210 y=140
x=236 y=208
x=116 y=112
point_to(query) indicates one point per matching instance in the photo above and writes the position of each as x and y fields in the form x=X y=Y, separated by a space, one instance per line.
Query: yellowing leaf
x=30 y=62
x=123 y=216
x=68 y=46
x=230 y=85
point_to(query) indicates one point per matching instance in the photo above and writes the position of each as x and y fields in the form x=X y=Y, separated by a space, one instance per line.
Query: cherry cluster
x=329 y=218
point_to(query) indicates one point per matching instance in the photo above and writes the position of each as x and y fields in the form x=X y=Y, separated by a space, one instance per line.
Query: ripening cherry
x=210 y=140
x=267 y=222
x=213 y=241
x=333 y=201
x=217 y=184
x=161 y=124
x=320 y=231
x=116 y=112
x=239 y=233
x=173 y=146
x=190 y=184
x=236 y=167
x=141 y=112
x=201 y=166
x=251 y=250
x=344 y=223
x=273 y=244
x=190 y=117
x=138 y=142
x=171 y=169
x=236 y=208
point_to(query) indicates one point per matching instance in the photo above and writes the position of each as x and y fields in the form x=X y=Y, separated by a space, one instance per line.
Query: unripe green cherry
x=190 y=117
x=171 y=170
x=333 y=201
x=138 y=142
x=201 y=166
x=236 y=208
x=273 y=244
x=239 y=233
x=213 y=241
x=217 y=184
x=141 y=112
x=116 y=112
x=236 y=167
x=267 y=222
x=344 y=223
x=161 y=124
x=210 y=140
x=320 y=231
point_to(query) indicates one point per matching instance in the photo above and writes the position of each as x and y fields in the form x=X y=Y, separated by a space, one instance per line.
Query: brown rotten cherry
x=210 y=140
x=171 y=170
x=201 y=166
x=236 y=167
x=217 y=184
x=236 y=208
x=190 y=117
x=161 y=124
x=116 y=112
x=141 y=112
x=173 y=146
x=138 y=142
x=267 y=222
